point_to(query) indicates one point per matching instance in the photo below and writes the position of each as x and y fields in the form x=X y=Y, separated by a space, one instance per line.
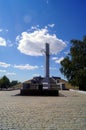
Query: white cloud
x=2 y=71
x=3 y=64
x=51 y=25
x=25 y=67
x=11 y=73
x=31 y=43
x=18 y=38
x=2 y=42
x=54 y=58
x=59 y=60
x=34 y=27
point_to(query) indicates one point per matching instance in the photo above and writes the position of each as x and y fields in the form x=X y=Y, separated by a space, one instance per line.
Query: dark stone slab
x=35 y=92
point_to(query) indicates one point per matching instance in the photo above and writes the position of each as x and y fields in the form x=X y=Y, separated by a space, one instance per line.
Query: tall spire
x=47 y=60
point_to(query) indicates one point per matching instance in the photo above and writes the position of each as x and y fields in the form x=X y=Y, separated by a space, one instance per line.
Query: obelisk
x=46 y=82
x=47 y=54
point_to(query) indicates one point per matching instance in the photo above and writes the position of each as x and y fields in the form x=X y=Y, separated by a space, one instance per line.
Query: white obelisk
x=46 y=82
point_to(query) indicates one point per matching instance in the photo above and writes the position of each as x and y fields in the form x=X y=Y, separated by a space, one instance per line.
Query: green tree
x=73 y=65
x=4 y=82
x=13 y=83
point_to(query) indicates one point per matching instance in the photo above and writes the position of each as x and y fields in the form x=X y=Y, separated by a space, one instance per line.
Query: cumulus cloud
x=3 y=64
x=26 y=67
x=2 y=41
x=31 y=43
x=59 y=60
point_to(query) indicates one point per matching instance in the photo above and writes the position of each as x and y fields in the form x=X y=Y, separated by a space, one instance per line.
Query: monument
x=46 y=82
x=42 y=85
x=47 y=54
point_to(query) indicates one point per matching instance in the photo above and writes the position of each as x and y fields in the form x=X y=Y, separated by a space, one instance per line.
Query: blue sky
x=25 y=27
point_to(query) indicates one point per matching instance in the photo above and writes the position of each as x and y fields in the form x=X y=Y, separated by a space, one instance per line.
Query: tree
x=4 y=82
x=13 y=83
x=73 y=65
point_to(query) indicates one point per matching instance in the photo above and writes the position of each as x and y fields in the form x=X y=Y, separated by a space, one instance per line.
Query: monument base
x=40 y=87
x=46 y=83
x=44 y=92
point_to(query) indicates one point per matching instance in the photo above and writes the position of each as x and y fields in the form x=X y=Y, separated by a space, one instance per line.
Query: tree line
x=73 y=66
x=5 y=82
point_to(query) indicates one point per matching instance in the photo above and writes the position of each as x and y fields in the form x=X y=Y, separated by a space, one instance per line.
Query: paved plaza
x=66 y=112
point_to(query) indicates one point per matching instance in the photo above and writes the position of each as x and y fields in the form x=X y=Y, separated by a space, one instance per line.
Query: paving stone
x=66 y=112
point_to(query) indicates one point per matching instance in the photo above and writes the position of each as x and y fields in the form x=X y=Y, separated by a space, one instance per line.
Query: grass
x=67 y=84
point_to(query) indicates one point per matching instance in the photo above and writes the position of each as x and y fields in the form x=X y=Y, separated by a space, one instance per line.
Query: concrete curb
x=82 y=92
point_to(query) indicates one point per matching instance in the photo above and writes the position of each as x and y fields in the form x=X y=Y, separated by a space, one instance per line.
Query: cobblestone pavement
x=66 y=112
